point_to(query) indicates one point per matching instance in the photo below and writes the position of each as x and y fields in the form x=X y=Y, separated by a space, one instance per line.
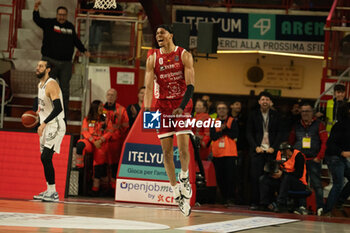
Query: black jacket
x=255 y=129
x=339 y=139
x=59 y=39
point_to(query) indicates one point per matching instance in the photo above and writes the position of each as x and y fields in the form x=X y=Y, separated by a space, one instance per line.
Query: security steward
x=225 y=153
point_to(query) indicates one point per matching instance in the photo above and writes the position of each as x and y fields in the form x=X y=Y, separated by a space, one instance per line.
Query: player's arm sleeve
x=188 y=95
x=57 y=109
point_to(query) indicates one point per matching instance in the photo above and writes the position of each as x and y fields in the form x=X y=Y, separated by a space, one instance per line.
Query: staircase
x=25 y=58
x=336 y=67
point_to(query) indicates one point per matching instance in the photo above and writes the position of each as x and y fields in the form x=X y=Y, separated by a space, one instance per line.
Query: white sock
x=183 y=175
x=47 y=186
x=51 y=188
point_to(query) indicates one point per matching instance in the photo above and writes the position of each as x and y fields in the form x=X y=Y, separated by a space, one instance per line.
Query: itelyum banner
x=146 y=162
x=286 y=33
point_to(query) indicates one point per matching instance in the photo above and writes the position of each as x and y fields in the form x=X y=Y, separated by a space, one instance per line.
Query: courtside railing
x=14 y=22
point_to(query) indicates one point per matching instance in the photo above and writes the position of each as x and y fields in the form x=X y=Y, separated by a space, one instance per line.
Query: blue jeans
x=340 y=168
x=314 y=172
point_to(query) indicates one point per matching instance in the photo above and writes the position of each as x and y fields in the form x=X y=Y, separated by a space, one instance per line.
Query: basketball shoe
x=50 y=197
x=39 y=196
x=185 y=187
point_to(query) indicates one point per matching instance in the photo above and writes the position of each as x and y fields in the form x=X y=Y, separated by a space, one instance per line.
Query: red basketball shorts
x=171 y=124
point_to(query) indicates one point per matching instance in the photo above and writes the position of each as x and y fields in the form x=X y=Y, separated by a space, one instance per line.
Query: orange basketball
x=30 y=119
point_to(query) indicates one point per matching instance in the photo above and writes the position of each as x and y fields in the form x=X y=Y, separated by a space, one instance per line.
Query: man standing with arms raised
x=171 y=69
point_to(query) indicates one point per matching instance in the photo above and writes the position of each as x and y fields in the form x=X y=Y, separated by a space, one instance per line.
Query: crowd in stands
x=272 y=157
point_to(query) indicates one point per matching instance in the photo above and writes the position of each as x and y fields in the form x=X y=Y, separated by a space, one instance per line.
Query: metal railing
x=3 y=83
x=14 y=23
x=134 y=46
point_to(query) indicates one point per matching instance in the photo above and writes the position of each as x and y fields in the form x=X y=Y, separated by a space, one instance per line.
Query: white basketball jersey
x=46 y=104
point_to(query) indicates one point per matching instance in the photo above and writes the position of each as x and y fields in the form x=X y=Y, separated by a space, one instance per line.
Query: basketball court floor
x=107 y=216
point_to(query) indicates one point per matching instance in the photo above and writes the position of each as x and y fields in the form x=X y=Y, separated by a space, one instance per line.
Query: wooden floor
x=139 y=218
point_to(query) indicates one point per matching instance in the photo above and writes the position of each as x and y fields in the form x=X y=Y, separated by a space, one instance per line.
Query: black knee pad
x=80 y=148
x=100 y=171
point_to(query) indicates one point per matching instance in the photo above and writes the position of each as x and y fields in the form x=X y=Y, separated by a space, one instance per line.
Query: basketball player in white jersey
x=52 y=126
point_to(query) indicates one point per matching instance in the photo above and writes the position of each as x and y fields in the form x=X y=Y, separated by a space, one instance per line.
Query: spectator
x=225 y=153
x=202 y=133
x=58 y=47
x=117 y=114
x=310 y=136
x=332 y=106
x=283 y=176
x=134 y=109
x=337 y=158
x=96 y=131
x=263 y=134
x=211 y=107
x=242 y=150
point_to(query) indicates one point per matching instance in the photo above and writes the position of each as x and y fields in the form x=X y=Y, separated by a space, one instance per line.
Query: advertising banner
x=271 y=32
x=145 y=161
x=144 y=191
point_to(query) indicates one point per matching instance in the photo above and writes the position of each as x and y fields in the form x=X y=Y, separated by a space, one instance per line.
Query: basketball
x=29 y=119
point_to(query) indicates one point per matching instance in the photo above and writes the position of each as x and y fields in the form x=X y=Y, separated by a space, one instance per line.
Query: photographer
x=283 y=175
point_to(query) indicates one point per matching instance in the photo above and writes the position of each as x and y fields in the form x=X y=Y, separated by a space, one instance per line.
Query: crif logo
x=151 y=120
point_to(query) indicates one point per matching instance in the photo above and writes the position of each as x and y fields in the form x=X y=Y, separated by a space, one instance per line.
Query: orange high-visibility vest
x=224 y=146
x=289 y=165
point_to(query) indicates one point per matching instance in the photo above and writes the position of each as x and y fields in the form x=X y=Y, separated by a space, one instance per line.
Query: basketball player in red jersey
x=170 y=69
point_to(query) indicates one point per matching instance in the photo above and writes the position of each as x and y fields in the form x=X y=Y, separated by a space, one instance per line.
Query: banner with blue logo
x=146 y=162
x=250 y=31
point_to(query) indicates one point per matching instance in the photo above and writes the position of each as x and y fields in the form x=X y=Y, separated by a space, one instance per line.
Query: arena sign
x=271 y=32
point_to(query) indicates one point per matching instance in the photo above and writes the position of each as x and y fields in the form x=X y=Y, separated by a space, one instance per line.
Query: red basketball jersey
x=170 y=77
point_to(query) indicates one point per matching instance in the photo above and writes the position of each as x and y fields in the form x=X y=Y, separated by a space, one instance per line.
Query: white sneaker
x=185 y=187
x=301 y=211
x=51 y=197
x=319 y=212
x=176 y=193
x=39 y=196
x=184 y=206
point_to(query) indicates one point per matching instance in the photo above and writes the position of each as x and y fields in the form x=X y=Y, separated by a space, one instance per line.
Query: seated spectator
x=95 y=131
x=202 y=133
x=134 y=109
x=225 y=153
x=337 y=158
x=117 y=114
x=287 y=174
